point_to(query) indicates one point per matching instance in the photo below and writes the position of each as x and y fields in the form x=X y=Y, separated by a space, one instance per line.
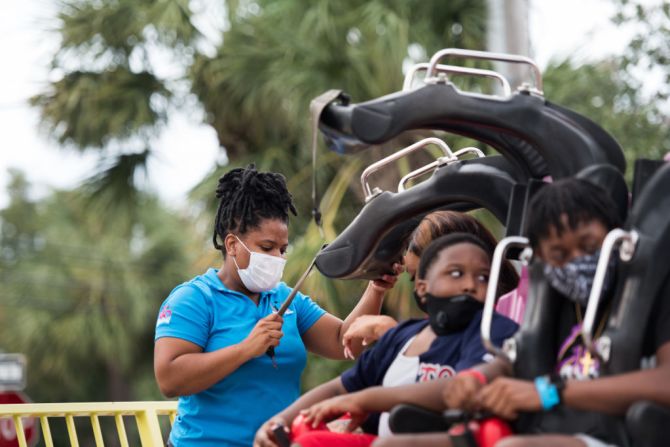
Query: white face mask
x=263 y=273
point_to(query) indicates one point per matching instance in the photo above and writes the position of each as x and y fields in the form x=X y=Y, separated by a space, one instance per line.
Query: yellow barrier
x=145 y=413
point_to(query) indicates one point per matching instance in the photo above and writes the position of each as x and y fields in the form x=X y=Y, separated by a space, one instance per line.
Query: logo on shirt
x=276 y=309
x=164 y=316
x=432 y=371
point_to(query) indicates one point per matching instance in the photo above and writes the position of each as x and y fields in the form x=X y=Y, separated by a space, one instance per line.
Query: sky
x=187 y=149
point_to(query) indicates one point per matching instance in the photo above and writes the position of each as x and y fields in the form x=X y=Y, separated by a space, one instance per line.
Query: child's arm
x=616 y=393
x=415 y=440
x=375 y=400
x=431 y=395
x=264 y=436
x=365 y=373
x=462 y=390
x=612 y=395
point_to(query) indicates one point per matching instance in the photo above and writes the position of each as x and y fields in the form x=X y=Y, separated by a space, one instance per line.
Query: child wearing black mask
x=568 y=222
x=451 y=283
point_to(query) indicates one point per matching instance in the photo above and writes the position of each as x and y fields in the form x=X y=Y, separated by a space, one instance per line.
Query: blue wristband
x=548 y=392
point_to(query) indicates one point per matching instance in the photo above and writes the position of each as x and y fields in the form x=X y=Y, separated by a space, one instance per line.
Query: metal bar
x=149 y=428
x=485 y=55
x=92 y=410
x=20 y=434
x=611 y=240
x=85 y=408
x=399 y=154
x=296 y=287
x=417 y=172
x=121 y=430
x=455 y=69
x=471 y=149
x=71 y=430
x=97 y=432
x=489 y=304
x=46 y=432
x=436 y=164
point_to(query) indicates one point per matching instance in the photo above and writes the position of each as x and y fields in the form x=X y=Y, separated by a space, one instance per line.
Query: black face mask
x=451 y=314
x=420 y=303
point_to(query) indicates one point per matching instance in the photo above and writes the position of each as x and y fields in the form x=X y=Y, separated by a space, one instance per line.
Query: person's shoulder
x=501 y=324
x=195 y=290
x=404 y=329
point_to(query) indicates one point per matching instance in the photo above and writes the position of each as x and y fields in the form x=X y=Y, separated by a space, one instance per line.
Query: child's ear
x=421 y=287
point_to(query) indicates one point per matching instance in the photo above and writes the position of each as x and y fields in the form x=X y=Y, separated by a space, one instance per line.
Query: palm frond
x=113 y=193
x=90 y=109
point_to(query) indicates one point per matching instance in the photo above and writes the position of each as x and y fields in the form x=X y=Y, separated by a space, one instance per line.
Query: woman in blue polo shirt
x=213 y=331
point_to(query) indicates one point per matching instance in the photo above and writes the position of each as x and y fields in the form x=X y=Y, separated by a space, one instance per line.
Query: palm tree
x=273 y=58
x=255 y=87
x=79 y=297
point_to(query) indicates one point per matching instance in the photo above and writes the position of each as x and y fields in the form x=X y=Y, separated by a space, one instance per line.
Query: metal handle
x=289 y=299
x=489 y=304
x=395 y=156
x=455 y=69
x=629 y=241
x=485 y=55
x=436 y=164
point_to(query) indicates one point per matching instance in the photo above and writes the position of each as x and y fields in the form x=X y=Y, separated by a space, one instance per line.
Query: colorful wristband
x=475 y=373
x=549 y=396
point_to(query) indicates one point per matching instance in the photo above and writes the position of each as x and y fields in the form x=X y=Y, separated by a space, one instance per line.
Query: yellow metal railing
x=145 y=413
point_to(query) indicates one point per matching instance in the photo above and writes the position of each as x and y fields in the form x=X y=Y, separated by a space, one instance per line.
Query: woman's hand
x=387 y=282
x=366 y=329
x=461 y=392
x=334 y=407
x=266 y=333
x=505 y=397
x=265 y=435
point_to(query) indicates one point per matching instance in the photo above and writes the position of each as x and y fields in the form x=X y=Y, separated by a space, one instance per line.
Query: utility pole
x=508 y=32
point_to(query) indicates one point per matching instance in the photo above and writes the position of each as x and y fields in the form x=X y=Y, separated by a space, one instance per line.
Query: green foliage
x=649 y=49
x=601 y=92
x=80 y=297
x=89 y=110
x=96 y=27
x=274 y=60
x=85 y=271
x=107 y=96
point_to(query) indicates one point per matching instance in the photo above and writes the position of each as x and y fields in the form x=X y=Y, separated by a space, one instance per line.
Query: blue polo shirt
x=203 y=311
x=447 y=355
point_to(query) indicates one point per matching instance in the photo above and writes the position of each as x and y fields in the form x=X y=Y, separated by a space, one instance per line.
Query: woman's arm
x=326 y=336
x=181 y=368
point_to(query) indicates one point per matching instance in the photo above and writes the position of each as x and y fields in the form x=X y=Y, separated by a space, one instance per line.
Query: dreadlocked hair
x=247 y=196
x=578 y=199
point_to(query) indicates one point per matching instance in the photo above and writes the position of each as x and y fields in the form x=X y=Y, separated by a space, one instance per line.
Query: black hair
x=440 y=223
x=432 y=252
x=247 y=196
x=580 y=200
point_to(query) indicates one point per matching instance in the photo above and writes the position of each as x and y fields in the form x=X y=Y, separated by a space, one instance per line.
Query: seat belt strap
x=316 y=108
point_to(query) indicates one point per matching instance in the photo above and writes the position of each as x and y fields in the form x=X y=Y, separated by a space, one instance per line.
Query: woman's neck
x=229 y=277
